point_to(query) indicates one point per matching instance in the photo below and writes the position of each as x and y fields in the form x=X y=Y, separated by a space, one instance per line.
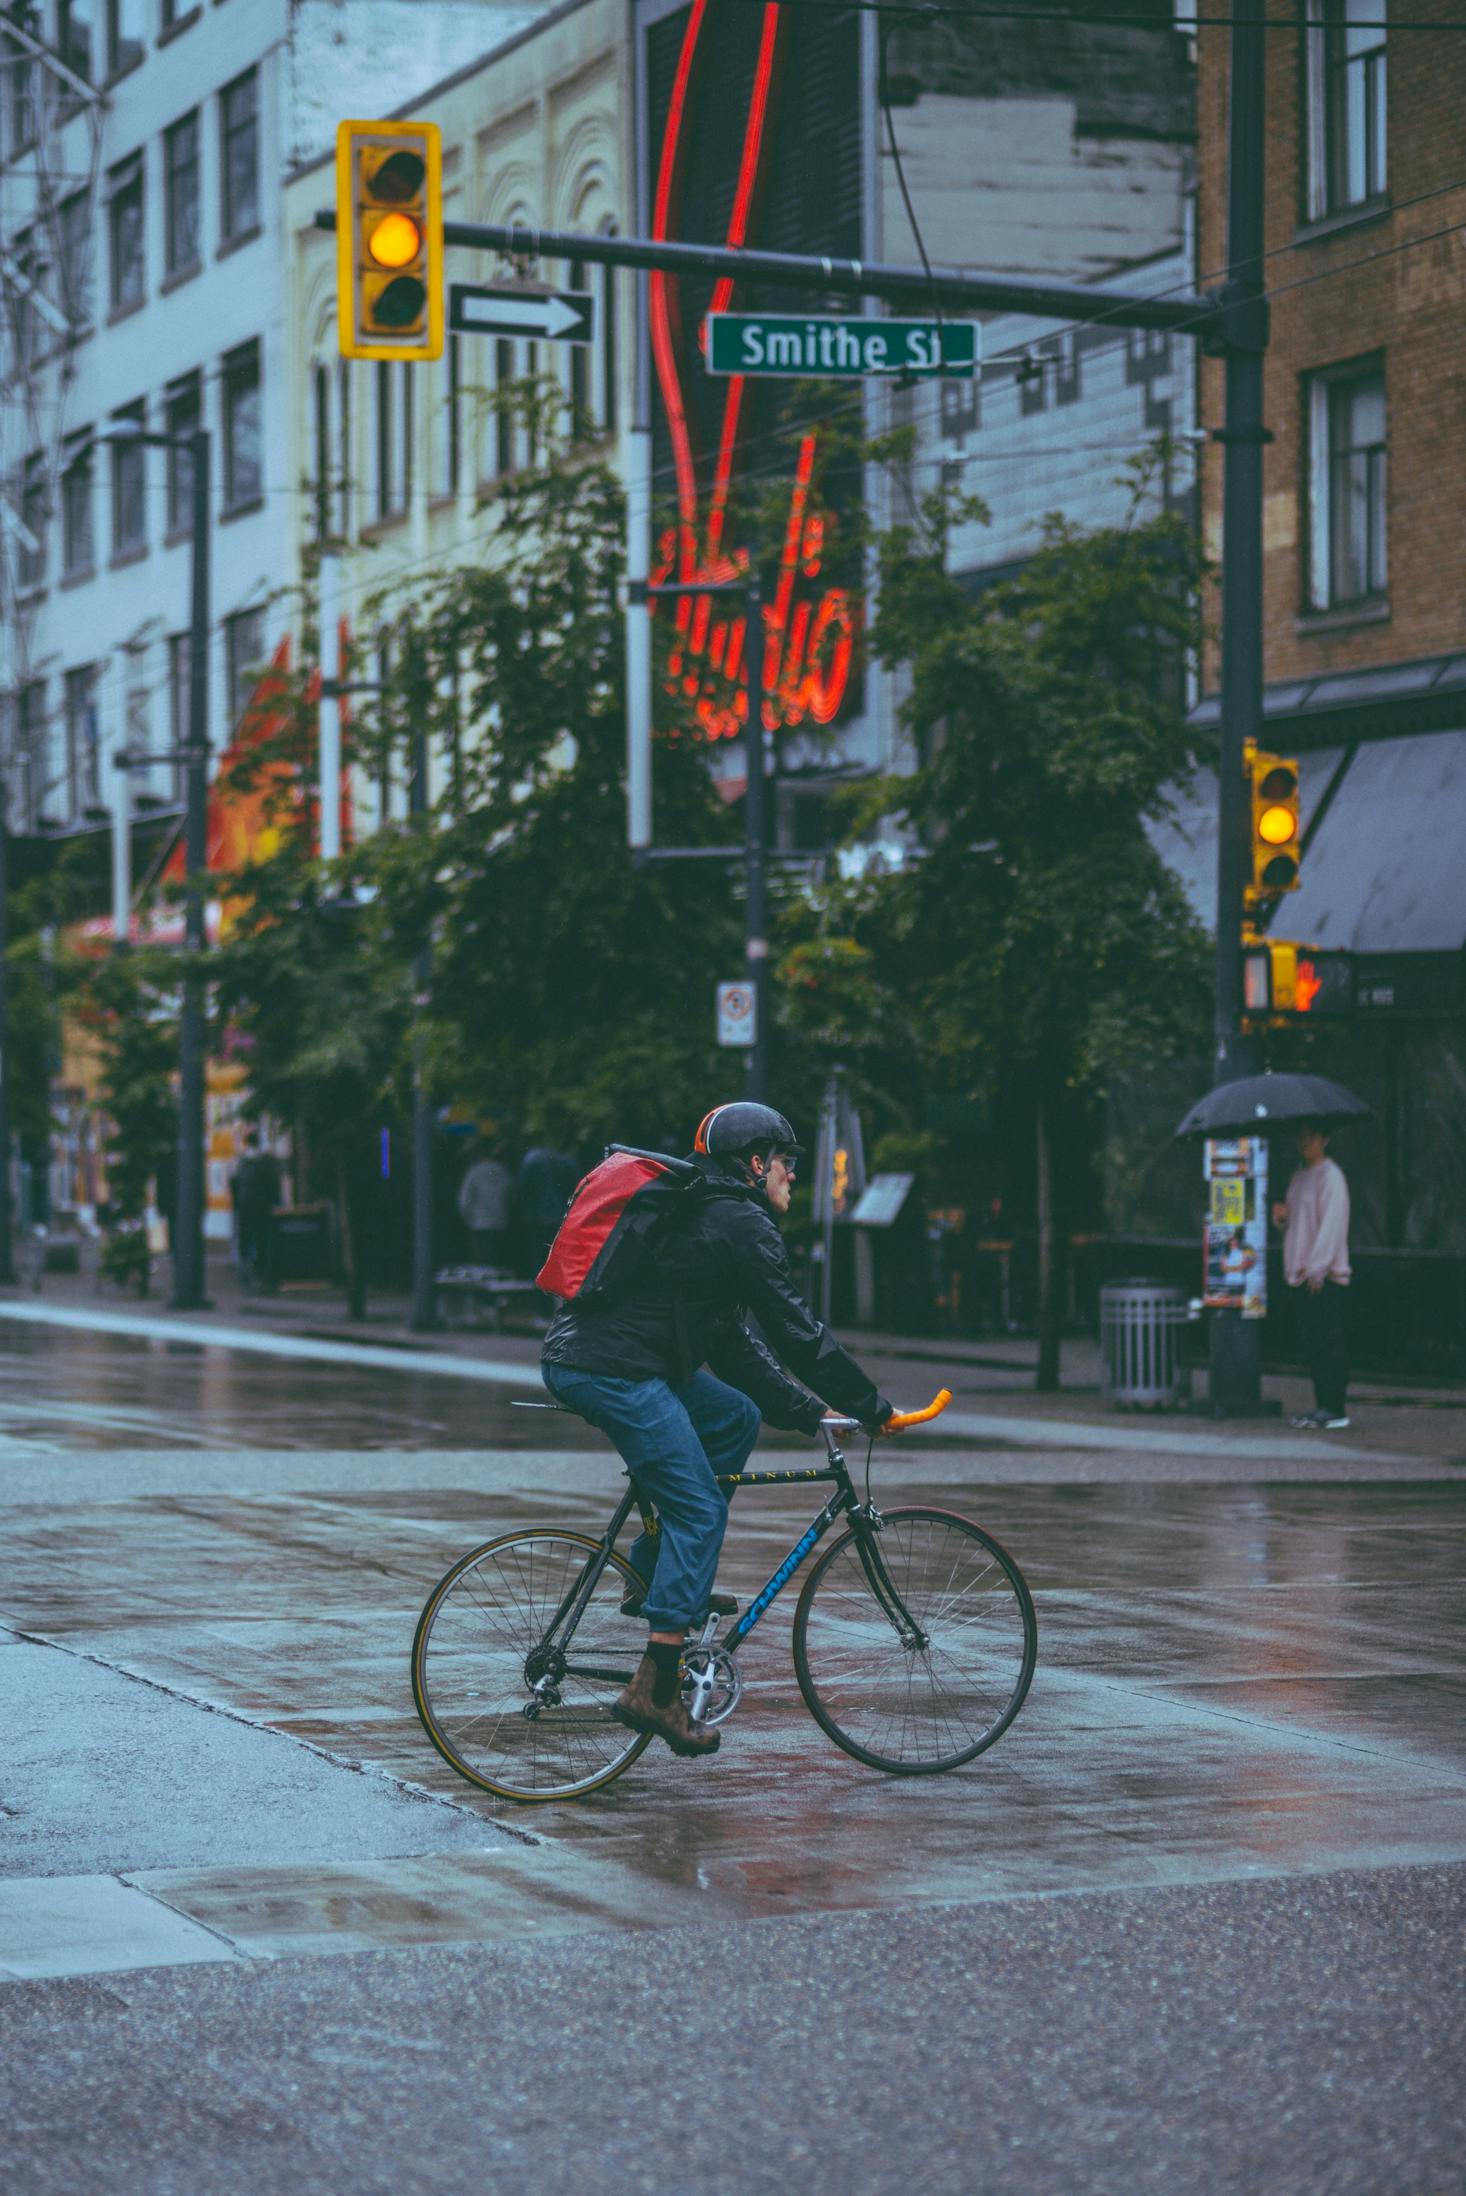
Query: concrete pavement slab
x=1299 y=2037
x=103 y=1773
x=94 y=1925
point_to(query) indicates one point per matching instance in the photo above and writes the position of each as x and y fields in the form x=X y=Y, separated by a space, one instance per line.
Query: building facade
x=141 y=252
x=399 y=459
x=1364 y=631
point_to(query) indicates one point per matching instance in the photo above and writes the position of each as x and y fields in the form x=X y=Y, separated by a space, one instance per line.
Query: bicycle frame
x=843 y=1503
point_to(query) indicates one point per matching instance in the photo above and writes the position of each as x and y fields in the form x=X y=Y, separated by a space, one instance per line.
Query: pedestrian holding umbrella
x=1314 y=1214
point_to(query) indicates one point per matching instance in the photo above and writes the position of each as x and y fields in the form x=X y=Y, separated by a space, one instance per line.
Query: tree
x=1039 y=943
x=130 y=1002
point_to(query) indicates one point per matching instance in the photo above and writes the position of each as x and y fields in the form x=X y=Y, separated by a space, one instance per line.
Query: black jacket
x=719 y=1257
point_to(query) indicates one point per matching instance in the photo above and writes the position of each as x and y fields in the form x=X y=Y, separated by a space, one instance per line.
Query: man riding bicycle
x=670 y=1372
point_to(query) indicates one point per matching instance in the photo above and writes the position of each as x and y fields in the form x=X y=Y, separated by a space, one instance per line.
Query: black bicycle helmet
x=743 y=1126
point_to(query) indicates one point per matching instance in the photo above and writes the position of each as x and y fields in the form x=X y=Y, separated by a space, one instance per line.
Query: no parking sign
x=737 y=1014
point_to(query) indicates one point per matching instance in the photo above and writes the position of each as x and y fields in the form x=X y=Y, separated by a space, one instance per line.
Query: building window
x=606 y=305
x=244 y=652
x=321 y=392
x=393 y=438
x=503 y=416
x=83 y=777
x=447 y=452
x=129 y=484
x=243 y=479
x=183 y=414
x=239 y=157
x=181 y=195
x=30 y=742
x=1347 y=484
x=76 y=259
x=78 y=554
x=126 y=34
x=35 y=512
x=74 y=44
x=20 y=69
x=178 y=11
x=23 y=315
x=343 y=436
x=178 y=700
x=125 y=230
x=1346 y=104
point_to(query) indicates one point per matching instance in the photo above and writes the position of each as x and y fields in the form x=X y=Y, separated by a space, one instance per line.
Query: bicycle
x=914 y=1642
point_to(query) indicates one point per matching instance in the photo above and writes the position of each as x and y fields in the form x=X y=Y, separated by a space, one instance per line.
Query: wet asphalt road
x=1196 y=1923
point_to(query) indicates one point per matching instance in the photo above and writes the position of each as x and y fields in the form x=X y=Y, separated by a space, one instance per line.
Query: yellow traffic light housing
x=1276 y=830
x=389 y=239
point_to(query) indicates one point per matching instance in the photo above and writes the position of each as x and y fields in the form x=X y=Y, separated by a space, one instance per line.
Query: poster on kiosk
x=1235 y=1277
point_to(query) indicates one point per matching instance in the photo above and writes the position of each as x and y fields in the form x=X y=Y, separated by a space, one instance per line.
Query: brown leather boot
x=639 y=1710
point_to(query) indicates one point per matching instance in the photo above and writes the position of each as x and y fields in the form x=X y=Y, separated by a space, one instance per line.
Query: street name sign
x=556 y=316
x=830 y=344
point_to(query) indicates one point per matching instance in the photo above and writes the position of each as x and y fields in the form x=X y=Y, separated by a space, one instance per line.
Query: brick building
x=1365 y=600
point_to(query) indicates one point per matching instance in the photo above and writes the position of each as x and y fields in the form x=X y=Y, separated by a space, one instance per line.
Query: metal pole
x=424 y=1271
x=1235 y=1342
x=329 y=714
x=755 y=843
x=638 y=630
x=121 y=854
x=7 y=1259
x=188 y=1248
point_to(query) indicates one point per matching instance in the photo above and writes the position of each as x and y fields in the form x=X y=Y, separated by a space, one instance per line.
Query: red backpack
x=610 y=1222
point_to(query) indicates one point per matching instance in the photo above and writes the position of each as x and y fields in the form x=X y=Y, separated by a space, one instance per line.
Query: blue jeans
x=674 y=1441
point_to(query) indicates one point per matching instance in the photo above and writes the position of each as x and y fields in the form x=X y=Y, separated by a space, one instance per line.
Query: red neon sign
x=808 y=640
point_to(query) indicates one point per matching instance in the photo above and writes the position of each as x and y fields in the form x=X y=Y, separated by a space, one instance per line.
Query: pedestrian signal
x=1276 y=833
x=1282 y=977
x=389 y=239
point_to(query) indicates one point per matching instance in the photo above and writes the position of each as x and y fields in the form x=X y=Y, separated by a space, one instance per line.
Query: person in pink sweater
x=1315 y=1218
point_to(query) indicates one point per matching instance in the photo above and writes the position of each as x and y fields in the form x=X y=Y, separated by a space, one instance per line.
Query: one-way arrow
x=560 y=316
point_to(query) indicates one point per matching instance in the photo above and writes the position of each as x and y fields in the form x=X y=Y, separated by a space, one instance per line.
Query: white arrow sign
x=561 y=317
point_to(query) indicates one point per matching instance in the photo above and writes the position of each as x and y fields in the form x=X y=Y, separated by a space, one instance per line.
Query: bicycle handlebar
x=901 y=1419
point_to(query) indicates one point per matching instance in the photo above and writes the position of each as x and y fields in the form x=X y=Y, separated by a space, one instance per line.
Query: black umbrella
x=1257 y=1103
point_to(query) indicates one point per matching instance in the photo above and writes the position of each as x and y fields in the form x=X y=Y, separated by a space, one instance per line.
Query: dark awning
x=1385 y=870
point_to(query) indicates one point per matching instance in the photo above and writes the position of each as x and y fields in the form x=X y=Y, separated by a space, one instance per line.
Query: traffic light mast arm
x=1208 y=315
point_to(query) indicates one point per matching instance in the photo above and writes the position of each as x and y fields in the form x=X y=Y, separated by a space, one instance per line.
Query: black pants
x=1323 y=1326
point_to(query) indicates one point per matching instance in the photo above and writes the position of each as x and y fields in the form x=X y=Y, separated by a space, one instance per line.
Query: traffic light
x=1276 y=836
x=389 y=239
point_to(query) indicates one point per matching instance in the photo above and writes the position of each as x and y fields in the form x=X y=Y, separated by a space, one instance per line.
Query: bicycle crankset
x=712 y=1683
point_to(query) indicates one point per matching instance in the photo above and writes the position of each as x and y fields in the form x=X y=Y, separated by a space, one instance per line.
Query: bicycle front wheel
x=513 y=1705
x=915 y=1709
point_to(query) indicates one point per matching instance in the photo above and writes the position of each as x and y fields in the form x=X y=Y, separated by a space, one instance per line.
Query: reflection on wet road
x=63 y=1389
x=1232 y=1681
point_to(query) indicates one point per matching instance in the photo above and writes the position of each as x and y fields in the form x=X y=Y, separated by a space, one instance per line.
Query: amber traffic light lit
x=389 y=239
x=1275 y=824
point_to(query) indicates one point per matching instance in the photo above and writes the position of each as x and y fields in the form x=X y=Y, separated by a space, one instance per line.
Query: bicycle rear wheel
x=481 y=1644
x=916 y=1710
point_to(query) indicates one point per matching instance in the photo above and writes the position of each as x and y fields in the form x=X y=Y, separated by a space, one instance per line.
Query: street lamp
x=188 y=1230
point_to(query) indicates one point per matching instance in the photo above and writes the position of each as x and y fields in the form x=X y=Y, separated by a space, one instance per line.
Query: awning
x=1385 y=871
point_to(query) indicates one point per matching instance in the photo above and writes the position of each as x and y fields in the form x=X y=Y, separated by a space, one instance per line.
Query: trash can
x=1141 y=1325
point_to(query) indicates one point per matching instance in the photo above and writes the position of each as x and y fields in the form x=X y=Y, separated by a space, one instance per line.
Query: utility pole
x=1235 y=1385
x=7 y=1248
x=424 y=1271
x=188 y=1251
x=328 y=719
x=756 y=843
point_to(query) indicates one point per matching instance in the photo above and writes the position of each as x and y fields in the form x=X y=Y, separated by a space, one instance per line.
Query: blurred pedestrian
x=256 y=1191
x=543 y=1186
x=483 y=1206
x=1315 y=1218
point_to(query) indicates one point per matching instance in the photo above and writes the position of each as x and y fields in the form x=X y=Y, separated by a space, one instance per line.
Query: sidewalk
x=995 y=1377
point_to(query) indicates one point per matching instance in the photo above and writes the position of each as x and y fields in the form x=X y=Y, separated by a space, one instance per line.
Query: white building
x=144 y=147
x=397 y=458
